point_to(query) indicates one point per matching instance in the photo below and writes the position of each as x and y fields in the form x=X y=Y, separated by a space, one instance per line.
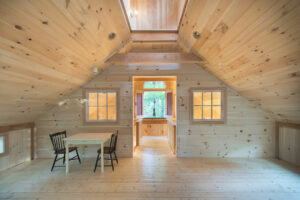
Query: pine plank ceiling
x=48 y=49
x=253 y=46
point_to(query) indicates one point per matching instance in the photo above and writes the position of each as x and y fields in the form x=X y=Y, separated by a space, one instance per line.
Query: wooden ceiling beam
x=154 y=36
x=145 y=57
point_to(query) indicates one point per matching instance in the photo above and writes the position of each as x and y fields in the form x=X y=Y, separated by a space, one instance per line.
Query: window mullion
x=106 y=105
x=211 y=103
x=220 y=108
x=97 y=106
x=193 y=106
x=202 y=105
x=88 y=107
x=222 y=96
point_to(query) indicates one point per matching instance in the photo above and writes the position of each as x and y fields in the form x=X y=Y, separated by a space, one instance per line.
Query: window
x=154 y=85
x=159 y=15
x=3 y=144
x=154 y=104
x=208 y=105
x=101 y=106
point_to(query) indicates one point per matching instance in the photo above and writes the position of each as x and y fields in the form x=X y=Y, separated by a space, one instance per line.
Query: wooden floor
x=154 y=173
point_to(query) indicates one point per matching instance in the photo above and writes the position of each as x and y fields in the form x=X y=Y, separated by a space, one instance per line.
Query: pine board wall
x=19 y=149
x=248 y=131
x=289 y=145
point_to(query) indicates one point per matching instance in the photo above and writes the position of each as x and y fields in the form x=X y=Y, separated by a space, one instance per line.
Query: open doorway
x=154 y=113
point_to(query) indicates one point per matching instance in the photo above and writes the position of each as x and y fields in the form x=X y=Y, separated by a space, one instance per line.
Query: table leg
x=102 y=157
x=67 y=157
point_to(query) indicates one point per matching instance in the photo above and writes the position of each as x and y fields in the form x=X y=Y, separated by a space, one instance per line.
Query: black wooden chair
x=58 y=143
x=109 y=150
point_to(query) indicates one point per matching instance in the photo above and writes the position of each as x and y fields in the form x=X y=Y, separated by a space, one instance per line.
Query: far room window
x=208 y=105
x=154 y=85
x=101 y=106
x=154 y=104
x=3 y=144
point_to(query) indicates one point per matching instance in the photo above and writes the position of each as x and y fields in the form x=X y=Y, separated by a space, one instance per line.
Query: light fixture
x=95 y=70
x=62 y=102
x=196 y=35
x=111 y=36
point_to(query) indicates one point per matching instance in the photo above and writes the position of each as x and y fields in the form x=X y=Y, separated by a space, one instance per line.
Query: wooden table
x=87 y=138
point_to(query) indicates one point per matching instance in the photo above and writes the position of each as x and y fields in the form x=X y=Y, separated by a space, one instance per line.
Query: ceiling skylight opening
x=149 y=15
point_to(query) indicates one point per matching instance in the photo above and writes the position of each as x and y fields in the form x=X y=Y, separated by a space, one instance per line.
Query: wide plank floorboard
x=154 y=173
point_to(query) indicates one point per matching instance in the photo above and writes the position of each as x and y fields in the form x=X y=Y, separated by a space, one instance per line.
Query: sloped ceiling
x=253 y=46
x=48 y=49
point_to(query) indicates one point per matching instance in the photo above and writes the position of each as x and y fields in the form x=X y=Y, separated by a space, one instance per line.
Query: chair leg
x=64 y=159
x=112 y=162
x=116 y=157
x=54 y=161
x=78 y=156
x=96 y=162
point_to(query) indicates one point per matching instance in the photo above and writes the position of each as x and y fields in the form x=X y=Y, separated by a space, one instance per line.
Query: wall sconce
x=111 y=36
x=196 y=35
x=95 y=70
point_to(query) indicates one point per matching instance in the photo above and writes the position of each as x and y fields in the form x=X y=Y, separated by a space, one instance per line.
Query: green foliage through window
x=154 y=104
x=154 y=84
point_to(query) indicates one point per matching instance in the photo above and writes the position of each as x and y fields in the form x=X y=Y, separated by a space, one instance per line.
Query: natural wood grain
x=277 y=129
x=155 y=173
x=47 y=51
x=9 y=128
x=154 y=37
x=128 y=58
x=154 y=129
x=252 y=46
x=289 y=144
x=281 y=140
x=32 y=149
x=248 y=131
x=152 y=47
x=18 y=148
x=16 y=127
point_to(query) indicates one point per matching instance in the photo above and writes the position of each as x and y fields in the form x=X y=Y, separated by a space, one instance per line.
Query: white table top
x=89 y=136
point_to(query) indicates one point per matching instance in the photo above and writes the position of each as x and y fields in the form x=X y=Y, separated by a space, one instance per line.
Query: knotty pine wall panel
x=253 y=46
x=19 y=149
x=247 y=132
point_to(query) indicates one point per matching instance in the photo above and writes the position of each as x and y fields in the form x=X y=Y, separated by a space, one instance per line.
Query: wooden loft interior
x=154 y=31
x=79 y=67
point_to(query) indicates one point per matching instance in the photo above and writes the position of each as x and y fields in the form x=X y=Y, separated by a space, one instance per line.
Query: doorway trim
x=136 y=122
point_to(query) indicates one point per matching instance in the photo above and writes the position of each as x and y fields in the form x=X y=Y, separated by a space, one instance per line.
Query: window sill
x=207 y=122
x=99 y=122
x=153 y=118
